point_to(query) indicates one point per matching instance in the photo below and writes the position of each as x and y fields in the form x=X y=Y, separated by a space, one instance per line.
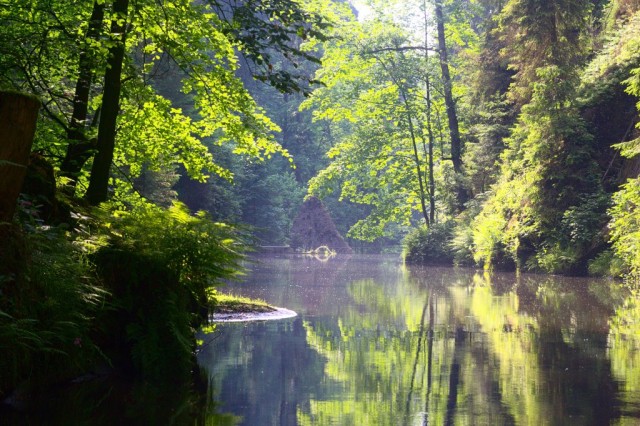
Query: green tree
x=110 y=106
x=382 y=97
x=128 y=45
x=541 y=33
x=548 y=203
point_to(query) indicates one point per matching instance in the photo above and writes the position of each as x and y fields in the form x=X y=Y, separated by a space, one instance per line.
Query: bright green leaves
x=625 y=225
x=625 y=213
x=632 y=148
x=190 y=35
x=180 y=89
x=547 y=175
x=200 y=252
x=374 y=100
x=155 y=136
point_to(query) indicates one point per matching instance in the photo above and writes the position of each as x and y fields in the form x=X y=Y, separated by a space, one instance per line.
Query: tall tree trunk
x=18 y=114
x=429 y=153
x=432 y=182
x=412 y=134
x=416 y=158
x=80 y=147
x=99 y=181
x=452 y=116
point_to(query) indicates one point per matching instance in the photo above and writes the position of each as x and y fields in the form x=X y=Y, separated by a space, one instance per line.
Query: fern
x=160 y=265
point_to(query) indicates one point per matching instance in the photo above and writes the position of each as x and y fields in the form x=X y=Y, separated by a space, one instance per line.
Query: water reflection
x=378 y=343
x=111 y=400
x=624 y=352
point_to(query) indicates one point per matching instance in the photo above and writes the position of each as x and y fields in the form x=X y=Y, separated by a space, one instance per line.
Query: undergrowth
x=430 y=245
x=123 y=288
x=46 y=310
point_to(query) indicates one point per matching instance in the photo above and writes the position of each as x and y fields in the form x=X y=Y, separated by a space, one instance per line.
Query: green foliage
x=535 y=37
x=462 y=242
x=200 y=253
x=614 y=63
x=46 y=311
x=149 y=310
x=493 y=240
x=548 y=206
x=491 y=125
x=625 y=225
x=160 y=266
x=632 y=148
x=583 y=222
x=196 y=44
x=271 y=201
x=374 y=104
x=430 y=245
x=607 y=264
x=621 y=58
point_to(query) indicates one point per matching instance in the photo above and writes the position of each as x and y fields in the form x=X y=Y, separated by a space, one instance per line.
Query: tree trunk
x=18 y=114
x=429 y=153
x=452 y=116
x=417 y=161
x=99 y=181
x=412 y=134
x=432 y=182
x=450 y=104
x=80 y=147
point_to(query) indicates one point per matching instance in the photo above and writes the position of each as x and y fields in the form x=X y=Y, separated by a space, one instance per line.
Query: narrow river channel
x=376 y=342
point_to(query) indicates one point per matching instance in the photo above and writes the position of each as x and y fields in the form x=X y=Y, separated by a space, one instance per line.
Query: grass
x=231 y=304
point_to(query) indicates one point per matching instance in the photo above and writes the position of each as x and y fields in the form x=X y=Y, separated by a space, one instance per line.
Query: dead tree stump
x=18 y=114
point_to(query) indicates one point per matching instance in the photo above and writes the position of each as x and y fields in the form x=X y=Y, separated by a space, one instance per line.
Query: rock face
x=313 y=228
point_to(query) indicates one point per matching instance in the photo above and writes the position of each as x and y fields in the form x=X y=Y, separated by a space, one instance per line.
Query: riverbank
x=232 y=304
x=232 y=308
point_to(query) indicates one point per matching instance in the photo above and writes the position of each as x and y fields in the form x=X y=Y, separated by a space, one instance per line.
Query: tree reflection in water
x=380 y=343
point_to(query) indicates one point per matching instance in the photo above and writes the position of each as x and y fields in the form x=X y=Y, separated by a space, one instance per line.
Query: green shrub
x=555 y=259
x=159 y=266
x=625 y=225
x=607 y=264
x=430 y=245
x=46 y=310
x=134 y=287
x=462 y=242
x=146 y=331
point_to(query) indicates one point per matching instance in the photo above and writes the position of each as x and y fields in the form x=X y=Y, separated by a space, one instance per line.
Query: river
x=377 y=342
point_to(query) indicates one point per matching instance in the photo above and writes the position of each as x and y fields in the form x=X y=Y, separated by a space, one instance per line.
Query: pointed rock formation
x=313 y=228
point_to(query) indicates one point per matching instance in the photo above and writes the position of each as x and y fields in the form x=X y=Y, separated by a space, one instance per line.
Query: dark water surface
x=379 y=343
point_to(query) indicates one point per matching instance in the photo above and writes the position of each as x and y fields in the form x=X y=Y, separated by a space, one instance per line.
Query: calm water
x=378 y=343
